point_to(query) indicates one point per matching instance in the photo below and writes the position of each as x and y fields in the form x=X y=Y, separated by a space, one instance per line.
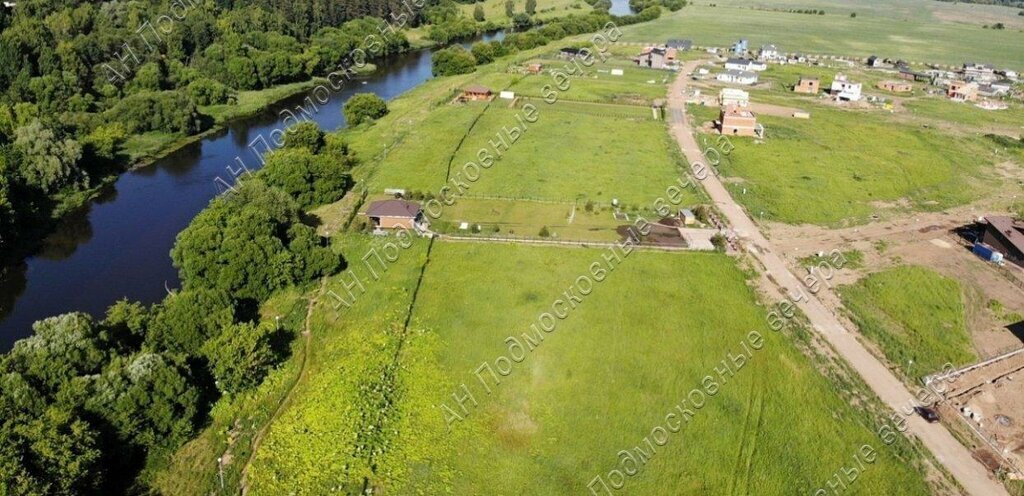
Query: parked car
x=929 y=414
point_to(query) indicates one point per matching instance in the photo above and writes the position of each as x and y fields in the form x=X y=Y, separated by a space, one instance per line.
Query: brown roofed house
x=809 y=85
x=477 y=93
x=960 y=91
x=1006 y=235
x=394 y=214
x=535 y=68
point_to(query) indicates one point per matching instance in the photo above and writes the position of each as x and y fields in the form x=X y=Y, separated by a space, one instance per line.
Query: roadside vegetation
x=914 y=315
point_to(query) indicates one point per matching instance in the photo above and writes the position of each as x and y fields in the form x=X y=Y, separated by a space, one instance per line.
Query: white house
x=734 y=97
x=737 y=77
x=844 y=89
x=745 y=65
x=770 y=53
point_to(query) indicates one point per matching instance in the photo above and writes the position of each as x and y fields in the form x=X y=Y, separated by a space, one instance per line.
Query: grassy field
x=522 y=218
x=916 y=30
x=842 y=167
x=494 y=10
x=913 y=314
x=637 y=86
x=327 y=438
x=252 y=102
x=611 y=371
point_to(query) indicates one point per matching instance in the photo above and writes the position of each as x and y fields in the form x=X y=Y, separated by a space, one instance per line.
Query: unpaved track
x=947 y=450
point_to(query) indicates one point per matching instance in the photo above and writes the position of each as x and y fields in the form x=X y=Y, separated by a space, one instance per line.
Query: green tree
x=531 y=6
x=184 y=321
x=105 y=141
x=241 y=355
x=48 y=162
x=453 y=60
x=310 y=179
x=510 y=8
x=364 y=107
x=521 y=21
x=478 y=13
x=61 y=348
x=307 y=135
x=53 y=453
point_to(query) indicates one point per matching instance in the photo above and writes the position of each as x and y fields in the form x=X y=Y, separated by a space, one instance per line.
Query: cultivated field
x=917 y=30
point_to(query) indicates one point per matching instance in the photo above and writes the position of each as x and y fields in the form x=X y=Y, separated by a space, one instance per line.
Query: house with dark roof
x=1005 y=235
x=395 y=214
x=654 y=57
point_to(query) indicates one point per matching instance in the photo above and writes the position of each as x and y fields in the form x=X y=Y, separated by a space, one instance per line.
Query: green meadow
x=914 y=315
x=610 y=372
x=915 y=30
x=843 y=167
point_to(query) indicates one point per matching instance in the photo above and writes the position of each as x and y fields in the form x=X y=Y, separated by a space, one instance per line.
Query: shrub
x=364 y=107
x=544 y=233
x=453 y=60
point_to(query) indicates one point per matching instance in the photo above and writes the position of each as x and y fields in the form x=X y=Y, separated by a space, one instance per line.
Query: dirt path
x=947 y=450
x=307 y=336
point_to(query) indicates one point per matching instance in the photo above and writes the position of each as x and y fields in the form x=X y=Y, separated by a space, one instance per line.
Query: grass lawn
x=637 y=86
x=967 y=114
x=918 y=35
x=612 y=370
x=841 y=167
x=566 y=156
x=912 y=313
x=140 y=146
x=609 y=373
x=526 y=219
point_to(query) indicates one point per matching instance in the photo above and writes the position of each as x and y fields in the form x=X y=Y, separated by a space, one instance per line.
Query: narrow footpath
x=955 y=457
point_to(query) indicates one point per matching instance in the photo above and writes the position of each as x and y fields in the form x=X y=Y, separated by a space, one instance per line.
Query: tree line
x=68 y=105
x=86 y=405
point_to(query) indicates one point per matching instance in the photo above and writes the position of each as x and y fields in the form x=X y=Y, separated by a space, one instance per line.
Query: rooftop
x=477 y=89
x=1010 y=228
x=393 y=208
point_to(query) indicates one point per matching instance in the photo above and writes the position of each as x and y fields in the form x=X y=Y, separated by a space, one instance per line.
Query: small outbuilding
x=535 y=68
x=896 y=86
x=477 y=93
x=1006 y=235
x=808 y=85
x=395 y=214
x=734 y=121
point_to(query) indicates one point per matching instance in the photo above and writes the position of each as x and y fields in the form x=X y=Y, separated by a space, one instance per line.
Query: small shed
x=477 y=93
x=535 y=68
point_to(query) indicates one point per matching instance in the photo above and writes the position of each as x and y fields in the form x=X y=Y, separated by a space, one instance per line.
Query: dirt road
x=946 y=449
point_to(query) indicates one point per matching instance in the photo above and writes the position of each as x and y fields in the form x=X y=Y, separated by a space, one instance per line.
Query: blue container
x=987 y=253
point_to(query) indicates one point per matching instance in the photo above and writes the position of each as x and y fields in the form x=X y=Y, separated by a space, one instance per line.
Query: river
x=119 y=245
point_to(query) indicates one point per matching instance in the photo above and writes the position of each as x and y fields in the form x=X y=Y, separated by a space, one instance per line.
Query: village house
x=808 y=85
x=734 y=97
x=979 y=73
x=844 y=90
x=1008 y=74
x=734 y=121
x=896 y=86
x=476 y=93
x=737 y=77
x=875 y=62
x=396 y=214
x=911 y=75
x=680 y=44
x=960 y=91
x=652 y=57
x=737 y=64
x=740 y=47
x=769 y=53
x=534 y=68
x=1005 y=235
x=797 y=58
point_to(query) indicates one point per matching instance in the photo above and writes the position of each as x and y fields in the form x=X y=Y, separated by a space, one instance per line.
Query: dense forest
x=80 y=78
